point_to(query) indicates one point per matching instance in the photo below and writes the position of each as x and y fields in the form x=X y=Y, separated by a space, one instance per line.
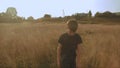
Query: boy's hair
x=72 y=25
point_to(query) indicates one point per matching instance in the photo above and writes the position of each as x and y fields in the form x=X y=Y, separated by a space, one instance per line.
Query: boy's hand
x=58 y=55
x=78 y=64
x=58 y=63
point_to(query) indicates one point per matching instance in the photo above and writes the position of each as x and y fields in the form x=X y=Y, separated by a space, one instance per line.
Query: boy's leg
x=71 y=63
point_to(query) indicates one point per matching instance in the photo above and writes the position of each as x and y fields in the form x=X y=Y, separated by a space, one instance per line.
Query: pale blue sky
x=37 y=8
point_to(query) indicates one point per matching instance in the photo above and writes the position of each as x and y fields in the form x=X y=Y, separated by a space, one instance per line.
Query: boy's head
x=72 y=25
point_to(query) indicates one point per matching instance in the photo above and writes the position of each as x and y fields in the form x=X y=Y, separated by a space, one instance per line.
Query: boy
x=68 y=44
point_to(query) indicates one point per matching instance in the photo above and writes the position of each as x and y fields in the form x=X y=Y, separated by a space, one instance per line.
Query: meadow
x=33 y=45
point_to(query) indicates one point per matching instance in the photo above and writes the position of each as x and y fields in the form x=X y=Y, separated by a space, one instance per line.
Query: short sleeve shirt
x=69 y=44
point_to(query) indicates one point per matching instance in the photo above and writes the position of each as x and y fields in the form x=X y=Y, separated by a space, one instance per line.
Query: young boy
x=69 y=42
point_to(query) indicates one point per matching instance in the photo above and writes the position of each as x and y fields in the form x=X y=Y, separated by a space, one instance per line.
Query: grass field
x=33 y=45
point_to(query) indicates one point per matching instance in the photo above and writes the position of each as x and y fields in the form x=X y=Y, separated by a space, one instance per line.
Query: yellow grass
x=33 y=45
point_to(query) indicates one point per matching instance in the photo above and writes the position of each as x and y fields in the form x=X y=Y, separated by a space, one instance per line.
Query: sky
x=37 y=8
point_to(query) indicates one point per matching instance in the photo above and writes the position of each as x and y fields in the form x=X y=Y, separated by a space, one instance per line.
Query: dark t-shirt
x=69 y=44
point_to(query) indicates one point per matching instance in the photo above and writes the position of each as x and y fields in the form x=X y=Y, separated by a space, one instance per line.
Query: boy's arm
x=58 y=54
x=78 y=51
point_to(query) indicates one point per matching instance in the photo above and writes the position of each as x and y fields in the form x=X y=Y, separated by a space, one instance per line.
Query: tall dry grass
x=33 y=45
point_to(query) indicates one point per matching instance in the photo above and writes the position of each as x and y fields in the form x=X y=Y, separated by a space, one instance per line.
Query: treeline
x=77 y=16
x=11 y=16
x=5 y=18
x=106 y=16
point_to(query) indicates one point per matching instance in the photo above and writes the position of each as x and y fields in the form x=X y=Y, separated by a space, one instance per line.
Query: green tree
x=30 y=18
x=11 y=12
x=90 y=14
x=47 y=16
